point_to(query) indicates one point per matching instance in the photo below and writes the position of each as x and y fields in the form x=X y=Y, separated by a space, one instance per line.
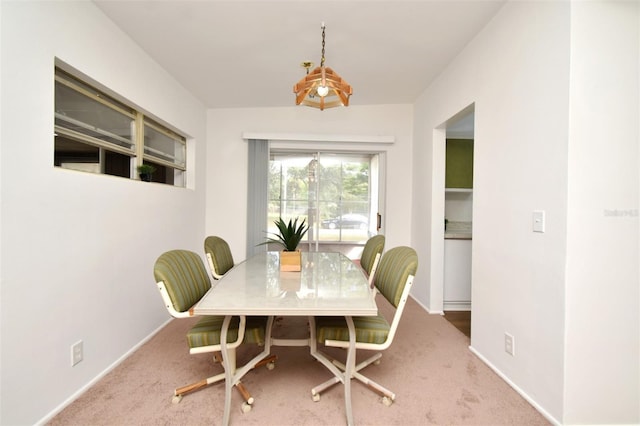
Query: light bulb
x=322 y=91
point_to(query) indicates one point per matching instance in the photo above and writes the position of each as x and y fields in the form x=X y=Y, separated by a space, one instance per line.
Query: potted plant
x=145 y=171
x=289 y=236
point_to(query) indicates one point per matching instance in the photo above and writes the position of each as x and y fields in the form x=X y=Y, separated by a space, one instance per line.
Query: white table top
x=329 y=284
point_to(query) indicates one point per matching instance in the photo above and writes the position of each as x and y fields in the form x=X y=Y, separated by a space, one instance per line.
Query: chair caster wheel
x=315 y=397
x=271 y=365
x=387 y=401
x=176 y=399
x=376 y=362
x=246 y=407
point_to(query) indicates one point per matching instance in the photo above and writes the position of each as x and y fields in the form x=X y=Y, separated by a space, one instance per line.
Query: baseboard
x=531 y=401
x=96 y=379
x=425 y=308
x=456 y=305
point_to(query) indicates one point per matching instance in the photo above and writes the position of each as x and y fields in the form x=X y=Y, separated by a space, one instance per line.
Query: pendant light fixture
x=322 y=88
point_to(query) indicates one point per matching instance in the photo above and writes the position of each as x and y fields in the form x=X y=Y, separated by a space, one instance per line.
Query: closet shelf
x=464 y=190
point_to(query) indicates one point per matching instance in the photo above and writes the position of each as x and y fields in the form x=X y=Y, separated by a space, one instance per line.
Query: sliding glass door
x=336 y=193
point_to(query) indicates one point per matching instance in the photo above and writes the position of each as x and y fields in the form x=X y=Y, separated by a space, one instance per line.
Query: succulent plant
x=289 y=235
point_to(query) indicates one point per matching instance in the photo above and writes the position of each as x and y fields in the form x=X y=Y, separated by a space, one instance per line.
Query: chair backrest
x=372 y=251
x=182 y=280
x=393 y=279
x=397 y=267
x=219 y=256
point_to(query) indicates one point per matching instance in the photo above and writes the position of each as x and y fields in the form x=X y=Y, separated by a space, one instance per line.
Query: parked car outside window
x=355 y=221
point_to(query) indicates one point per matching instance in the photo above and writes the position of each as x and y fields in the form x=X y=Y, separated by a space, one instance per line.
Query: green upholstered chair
x=393 y=280
x=183 y=280
x=219 y=256
x=371 y=255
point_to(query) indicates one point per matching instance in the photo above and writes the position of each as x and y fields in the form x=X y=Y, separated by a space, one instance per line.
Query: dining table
x=328 y=284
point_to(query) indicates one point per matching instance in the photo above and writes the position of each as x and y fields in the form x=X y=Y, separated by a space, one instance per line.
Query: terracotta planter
x=290 y=261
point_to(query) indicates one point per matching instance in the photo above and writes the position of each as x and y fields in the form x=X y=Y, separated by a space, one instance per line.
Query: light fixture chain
x=322 y=59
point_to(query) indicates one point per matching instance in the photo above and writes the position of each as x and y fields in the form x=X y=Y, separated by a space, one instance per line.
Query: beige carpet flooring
x=437 y=381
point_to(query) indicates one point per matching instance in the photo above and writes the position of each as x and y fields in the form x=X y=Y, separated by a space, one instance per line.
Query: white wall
x=516 y=72
x=78 y=249
x=227 y=159
x=602 y=287
x=531 y=124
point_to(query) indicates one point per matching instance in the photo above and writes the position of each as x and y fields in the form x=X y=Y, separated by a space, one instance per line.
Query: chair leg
x=268 y=361
x=180 y=392
x=315 y=392
x=246 y=396
x=244 y=393
x=374 y=359
x=388 y=396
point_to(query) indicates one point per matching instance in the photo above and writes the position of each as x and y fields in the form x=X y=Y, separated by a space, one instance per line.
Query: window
x=334 y=192
x=96 y=133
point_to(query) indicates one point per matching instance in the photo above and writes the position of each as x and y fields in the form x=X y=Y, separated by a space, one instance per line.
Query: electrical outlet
x=76 y=353
x=509 y=344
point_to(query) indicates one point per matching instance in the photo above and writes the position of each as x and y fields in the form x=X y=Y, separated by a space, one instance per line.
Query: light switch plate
x=538 y=221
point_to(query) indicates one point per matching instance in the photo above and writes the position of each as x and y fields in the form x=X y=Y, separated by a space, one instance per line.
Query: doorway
x=458 y=219
x=460 y=320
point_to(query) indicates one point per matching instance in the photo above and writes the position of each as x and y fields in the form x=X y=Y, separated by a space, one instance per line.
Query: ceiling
x=249 y=53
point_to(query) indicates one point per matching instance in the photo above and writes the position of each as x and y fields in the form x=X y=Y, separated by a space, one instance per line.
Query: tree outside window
x=331 y=191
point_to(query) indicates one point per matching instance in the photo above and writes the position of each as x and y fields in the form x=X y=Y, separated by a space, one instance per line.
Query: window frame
x=174 y=166
x=375 y=190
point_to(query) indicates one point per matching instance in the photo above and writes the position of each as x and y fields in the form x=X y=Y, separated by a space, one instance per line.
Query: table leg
x=229 y=369
x=351 y=358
